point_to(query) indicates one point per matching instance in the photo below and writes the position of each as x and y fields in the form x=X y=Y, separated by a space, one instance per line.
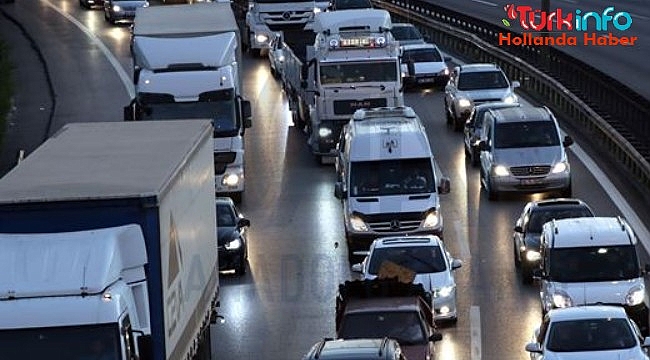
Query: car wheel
x=458 y=125
x=241 y=267
x=516 y=255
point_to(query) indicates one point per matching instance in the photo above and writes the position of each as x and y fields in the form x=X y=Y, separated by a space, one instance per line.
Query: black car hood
x=226 y=234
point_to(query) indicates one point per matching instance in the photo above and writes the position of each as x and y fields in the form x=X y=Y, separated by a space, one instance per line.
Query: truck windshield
x=62 y=343
x=590 y=264
x=220 y=108
x=391 y=177
x=404 y=326
x=358 y=72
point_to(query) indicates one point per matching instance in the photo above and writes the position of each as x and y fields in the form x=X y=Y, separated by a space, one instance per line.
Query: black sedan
x=231 y=235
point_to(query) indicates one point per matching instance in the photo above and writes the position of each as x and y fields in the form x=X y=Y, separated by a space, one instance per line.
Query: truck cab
x=196 y=78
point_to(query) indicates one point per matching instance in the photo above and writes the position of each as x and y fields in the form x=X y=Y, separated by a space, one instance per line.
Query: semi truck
x=264 y=18
x=352 y=64
x=187 y=65
x=108 y=244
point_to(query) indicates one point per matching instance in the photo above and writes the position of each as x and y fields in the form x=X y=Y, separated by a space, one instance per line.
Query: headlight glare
x=562 y=300
x=233 y=244
x=510 y=99
x=261 y=38
x=532 y=255
x=432 y=220
x=116 y=8
x=560 y=167
x=358 y=224
x=324 y=132
x=464 y=103
x=445 y=291
x=635 y=295
x=500 y=170
x=230 y=180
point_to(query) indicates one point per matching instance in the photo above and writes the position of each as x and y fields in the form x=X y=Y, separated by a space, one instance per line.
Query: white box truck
x=187 y=65
x=108 y=244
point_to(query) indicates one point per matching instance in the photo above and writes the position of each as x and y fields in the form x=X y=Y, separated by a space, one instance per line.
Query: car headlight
x=432 y=220
x=444 y=72
x=233 y=244
x=635 y=295
x=281 y=58
x=230 y=180
x=444 y=291
x=500 y=170
x=464 y=103
x=562 y=300
x=116 y=8
x=510 y=99
x=261 y=38
x=317 y=10
x=532 y=255
x=358 y=224
x=324 y=132
x=560 y=167
x=146 y=4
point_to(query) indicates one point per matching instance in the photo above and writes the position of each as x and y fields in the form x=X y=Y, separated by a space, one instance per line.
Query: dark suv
x=528 y=229
x=358 y=349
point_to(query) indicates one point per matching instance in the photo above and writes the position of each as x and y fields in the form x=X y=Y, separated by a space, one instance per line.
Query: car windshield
x=526 y=134
x=481 y=80
x=590 y=335
x=225 y=215
x=419 y=259
x=391 y=177
x=422 y=55
x=401 y=33
x=356 y=72
x=598 y=263
x=352 y=4
x=62 y=343
x=541 y=216
x=404 y=326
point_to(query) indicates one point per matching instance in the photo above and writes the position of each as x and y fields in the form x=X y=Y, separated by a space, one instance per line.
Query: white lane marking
x=463 y=240
x=486 y=3
x=475 y=332
x=126 y=79
x=618 y=199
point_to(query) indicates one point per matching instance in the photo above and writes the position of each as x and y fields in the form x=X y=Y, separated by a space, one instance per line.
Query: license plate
x=425 y=80
x=530 y=181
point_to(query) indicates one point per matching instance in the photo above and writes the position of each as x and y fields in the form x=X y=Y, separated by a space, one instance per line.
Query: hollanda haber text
x=588 y=39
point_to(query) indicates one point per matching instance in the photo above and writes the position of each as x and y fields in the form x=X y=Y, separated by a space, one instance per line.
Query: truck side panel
x=86 y=215
x=189 y=252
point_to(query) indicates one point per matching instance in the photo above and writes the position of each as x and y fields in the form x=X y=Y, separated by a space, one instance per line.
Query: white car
x=423 y=65
x=427 y=257
x=592 y=332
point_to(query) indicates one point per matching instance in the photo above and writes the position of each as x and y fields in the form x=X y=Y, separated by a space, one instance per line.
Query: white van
x=593 y=260
x=388 y=179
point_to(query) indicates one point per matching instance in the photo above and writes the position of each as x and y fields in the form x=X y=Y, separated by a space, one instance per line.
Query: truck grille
x=348 y=107
x=286 y=20
x=530 y=170
x=221 y=161
x=394 y=222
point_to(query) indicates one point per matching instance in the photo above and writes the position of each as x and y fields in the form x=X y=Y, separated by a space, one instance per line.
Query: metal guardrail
x=613 y=116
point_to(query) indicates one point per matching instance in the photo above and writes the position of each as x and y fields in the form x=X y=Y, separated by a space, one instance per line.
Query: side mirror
x=246 y=113
x=339 y=193
x=483 y=146
x=447 y=58
x=534 y=348
x=445 y=185
x=519 y=229
x=456 y=263
x=568 y=141
x=646 y=342
x=357 y=268
x=243 y=222
x=435 y=337
x=515 y=84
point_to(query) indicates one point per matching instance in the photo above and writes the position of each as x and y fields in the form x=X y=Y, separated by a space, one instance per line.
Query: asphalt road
x=297 y=254
x=624 y=63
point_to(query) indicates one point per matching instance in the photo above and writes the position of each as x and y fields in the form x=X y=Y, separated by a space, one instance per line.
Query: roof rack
x=384 y=112
x=321 y=345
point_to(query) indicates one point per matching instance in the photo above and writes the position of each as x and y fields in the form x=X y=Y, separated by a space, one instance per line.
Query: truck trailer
x=187 y=64
x=108 y=242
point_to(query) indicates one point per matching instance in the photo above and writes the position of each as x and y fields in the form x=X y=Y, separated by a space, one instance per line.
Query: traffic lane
x=81 y=75
x=509 y=311
x=620 y=62
x=286 y=301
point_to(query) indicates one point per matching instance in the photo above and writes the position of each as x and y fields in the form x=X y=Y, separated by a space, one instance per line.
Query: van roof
x=374 y=20
x=589 y=231
x=390 y=137
x=521 y=114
